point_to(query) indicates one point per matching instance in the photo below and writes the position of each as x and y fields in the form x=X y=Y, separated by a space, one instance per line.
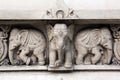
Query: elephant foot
x=41 y=63
x=105 y=62
x=28 y=61
x=94 y=61
x=58 y=63
x=52 y=65
x=15 y=62
x=68 y=65
x=79 y=62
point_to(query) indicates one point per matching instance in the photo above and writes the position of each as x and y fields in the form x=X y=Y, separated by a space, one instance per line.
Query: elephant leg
x=39 y=53
x=108 y=56
x=60 y=58
x=97 y=55
x=33 y=59
x=68 y=59
x=81 y=53
x=24 y=57
x=52 y=58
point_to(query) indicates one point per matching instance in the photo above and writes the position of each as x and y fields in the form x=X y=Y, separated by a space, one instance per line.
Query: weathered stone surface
x=65 y=40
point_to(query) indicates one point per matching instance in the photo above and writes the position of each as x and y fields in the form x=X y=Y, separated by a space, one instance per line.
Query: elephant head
x=106 y=42
x=13 y=43
x=59 y=33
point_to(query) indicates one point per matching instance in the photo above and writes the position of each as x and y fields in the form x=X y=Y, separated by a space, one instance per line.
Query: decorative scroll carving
x=94 y=46
x=60 y=49
x=26 y=46
x=116 y=35
x=3 y=45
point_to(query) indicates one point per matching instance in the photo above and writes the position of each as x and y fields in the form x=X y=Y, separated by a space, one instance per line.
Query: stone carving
x=26 y=46
x=3 y=44
x=93 y=46
x=61 y=11
x=116 y=35
x=60 y=48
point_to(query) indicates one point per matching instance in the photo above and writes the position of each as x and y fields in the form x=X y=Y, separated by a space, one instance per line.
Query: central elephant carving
x=95 y=43
x=60 y=40
x=27 y=45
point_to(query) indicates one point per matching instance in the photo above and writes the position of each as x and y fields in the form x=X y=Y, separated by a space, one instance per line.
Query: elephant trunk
x=59 y=44
x=11 y=56
x=12 y=47
x=110 y=53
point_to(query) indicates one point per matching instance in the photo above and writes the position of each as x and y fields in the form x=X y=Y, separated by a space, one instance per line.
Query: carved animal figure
x=96 y=42
x=28 y=44
x=60 y=45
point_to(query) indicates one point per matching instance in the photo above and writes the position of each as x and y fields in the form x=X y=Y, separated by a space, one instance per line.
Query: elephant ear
x=50 y=31
x=71 y=31
x=23 y=35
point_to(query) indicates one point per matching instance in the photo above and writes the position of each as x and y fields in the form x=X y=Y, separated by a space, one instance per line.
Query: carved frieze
x=59 y=46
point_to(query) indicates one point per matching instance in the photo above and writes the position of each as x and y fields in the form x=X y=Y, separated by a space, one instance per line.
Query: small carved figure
x=116 y=35
x=94 y=43
x=60 y=40
x=26 y=45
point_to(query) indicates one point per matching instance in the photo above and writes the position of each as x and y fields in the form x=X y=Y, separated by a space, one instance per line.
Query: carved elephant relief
x=60 y=40
x=26 y=46
x=93 y=46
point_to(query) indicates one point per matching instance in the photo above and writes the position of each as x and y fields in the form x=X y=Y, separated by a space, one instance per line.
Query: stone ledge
x=60 y=69
x=23 y=68
x=97 y=67
x=75 y=68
